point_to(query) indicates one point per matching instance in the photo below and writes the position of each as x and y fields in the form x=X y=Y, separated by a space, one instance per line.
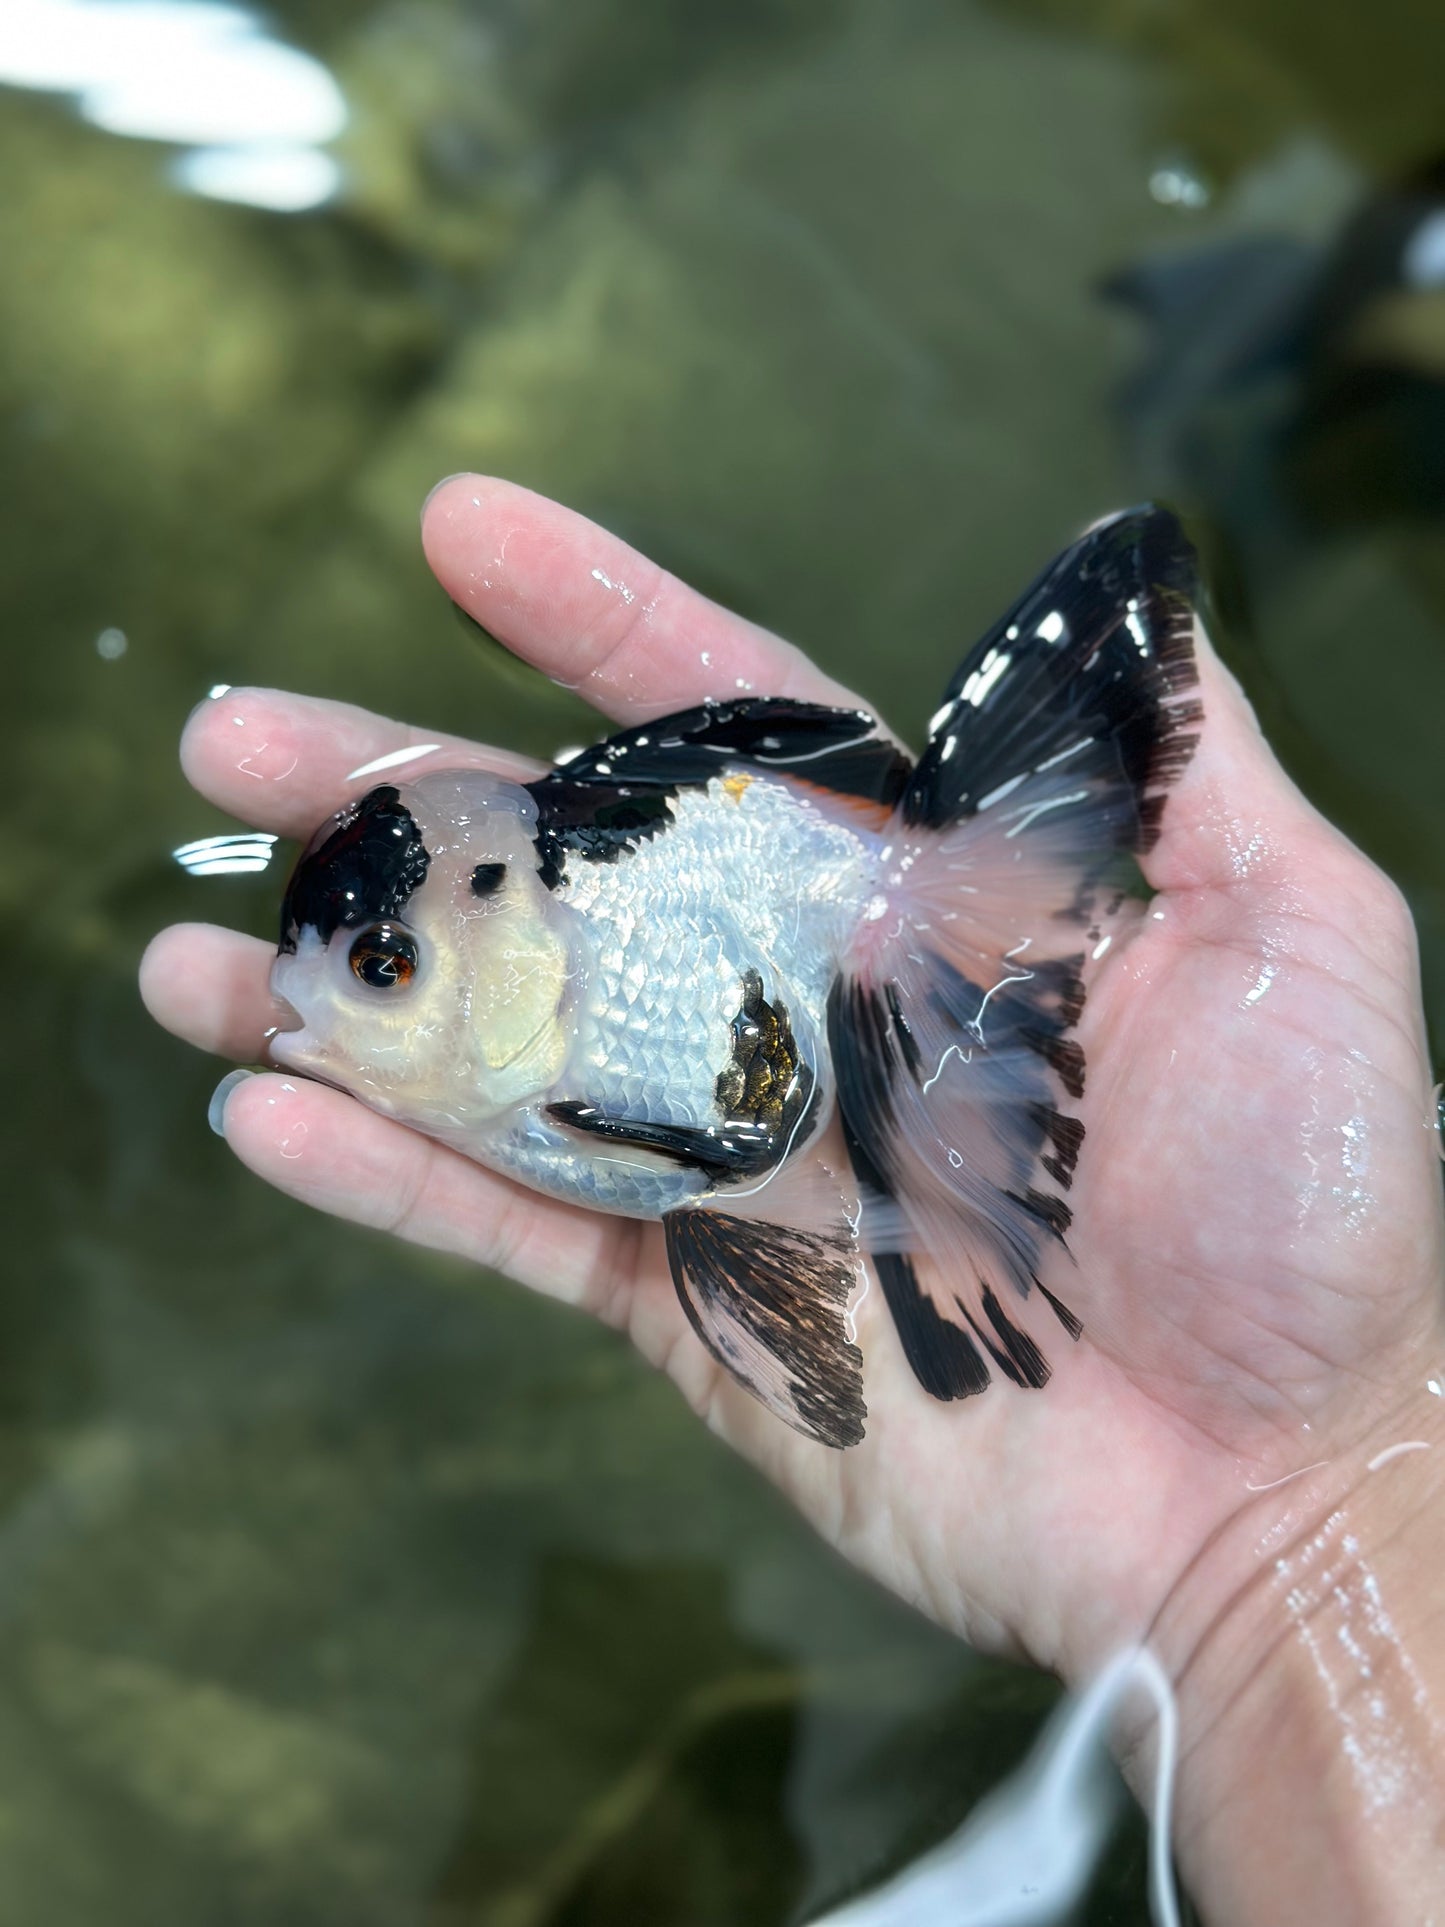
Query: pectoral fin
x=725 y=1152
x=770 y=1302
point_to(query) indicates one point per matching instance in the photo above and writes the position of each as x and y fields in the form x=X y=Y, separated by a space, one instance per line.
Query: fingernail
x=216 y=1109
x=437 y=488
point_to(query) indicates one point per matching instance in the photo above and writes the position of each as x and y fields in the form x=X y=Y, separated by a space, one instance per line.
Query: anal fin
x=770 y=1302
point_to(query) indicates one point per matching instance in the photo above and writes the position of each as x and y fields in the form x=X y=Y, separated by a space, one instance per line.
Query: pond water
x=337 y=1583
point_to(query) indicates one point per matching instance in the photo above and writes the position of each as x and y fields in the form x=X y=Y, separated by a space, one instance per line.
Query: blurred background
x=337 y=1583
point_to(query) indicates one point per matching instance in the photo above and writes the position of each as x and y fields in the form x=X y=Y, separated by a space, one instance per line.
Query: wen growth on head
x=670 y=977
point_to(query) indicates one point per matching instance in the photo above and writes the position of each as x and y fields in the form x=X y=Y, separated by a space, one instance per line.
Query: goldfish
x=754 y=972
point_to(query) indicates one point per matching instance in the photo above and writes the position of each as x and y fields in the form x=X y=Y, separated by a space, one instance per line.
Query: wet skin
x=1258 y=1235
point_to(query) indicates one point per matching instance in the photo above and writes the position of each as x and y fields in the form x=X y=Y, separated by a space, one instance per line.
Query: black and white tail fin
x=951 y=1030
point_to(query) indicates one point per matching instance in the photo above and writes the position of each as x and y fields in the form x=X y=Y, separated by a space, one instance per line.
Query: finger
x=594 y=614
x=1245 y=860
x=1235 y=821
x=285 y=762
x=322 y=1147
x=211 y=987
x=326 y=1150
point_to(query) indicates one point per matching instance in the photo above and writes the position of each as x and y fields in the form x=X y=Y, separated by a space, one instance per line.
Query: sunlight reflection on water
x=255 y=112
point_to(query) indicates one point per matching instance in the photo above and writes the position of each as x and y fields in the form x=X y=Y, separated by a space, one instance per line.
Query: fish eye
x=384 y=957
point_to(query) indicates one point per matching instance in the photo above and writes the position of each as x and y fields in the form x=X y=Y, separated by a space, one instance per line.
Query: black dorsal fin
x=838 y=749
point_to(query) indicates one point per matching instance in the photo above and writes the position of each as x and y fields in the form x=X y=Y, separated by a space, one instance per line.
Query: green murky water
x=341 y=1585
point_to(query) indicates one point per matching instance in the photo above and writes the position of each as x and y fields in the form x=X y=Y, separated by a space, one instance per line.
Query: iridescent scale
x=753 y=874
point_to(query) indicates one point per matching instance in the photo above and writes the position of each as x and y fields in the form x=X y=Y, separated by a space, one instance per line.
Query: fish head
x=430 y=970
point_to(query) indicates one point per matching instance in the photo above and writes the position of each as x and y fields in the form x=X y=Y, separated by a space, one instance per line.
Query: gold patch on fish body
x=766 y=1084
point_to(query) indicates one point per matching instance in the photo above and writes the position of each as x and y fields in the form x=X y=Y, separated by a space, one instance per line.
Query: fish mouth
x=287 y=1017
x=283 y=1044
x=283 y=1036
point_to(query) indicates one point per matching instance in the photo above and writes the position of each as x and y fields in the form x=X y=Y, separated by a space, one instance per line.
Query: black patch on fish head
x=488 y=878
x=361 y=867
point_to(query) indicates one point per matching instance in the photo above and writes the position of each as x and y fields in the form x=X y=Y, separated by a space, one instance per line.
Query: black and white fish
x=658 y=979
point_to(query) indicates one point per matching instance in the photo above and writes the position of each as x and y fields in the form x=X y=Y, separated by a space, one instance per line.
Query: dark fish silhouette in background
x=1293 y=389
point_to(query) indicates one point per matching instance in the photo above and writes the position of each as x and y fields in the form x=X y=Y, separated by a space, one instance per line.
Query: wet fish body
x=666 y=977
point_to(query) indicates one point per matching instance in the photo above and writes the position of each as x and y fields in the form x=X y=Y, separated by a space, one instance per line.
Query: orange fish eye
x=384 y=957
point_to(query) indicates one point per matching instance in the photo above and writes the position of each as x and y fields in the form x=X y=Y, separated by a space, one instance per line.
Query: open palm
x=1257 y=1236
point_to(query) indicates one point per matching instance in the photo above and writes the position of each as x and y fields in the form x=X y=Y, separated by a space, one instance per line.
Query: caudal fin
x=952 y=1030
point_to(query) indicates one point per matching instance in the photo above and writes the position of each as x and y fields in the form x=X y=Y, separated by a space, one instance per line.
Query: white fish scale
x=751 y=877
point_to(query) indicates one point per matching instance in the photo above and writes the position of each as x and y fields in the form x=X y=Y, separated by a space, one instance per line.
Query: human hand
x=1257 y=1219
